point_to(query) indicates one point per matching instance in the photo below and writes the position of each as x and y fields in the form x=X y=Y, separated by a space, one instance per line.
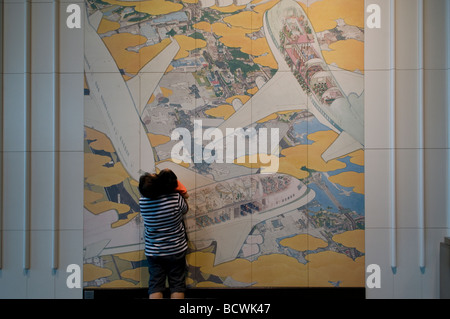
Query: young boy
x=162 y=209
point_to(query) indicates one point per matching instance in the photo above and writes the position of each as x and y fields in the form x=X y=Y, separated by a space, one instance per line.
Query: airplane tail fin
x=95 y=249
x=343 y=145
x=95 y=19
x=146 y=81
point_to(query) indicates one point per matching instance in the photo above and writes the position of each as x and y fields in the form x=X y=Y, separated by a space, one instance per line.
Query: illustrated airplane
x=113 y=105
x=230 y=234
x=283 y=92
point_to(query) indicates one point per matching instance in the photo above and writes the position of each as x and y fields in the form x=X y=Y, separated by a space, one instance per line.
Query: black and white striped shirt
x=164 y=229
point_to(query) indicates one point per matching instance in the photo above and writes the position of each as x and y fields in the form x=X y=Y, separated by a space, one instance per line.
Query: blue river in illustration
x=344 y=195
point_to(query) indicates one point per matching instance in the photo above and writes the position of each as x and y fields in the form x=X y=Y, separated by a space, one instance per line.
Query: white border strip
x=27 y=168
x=56 y=141
x=2 y=117
x=448 y=116
x=392 y=212
x=420 y=99
x=392 y=156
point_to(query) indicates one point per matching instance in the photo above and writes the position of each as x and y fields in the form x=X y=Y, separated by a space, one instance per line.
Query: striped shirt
x=163 y=220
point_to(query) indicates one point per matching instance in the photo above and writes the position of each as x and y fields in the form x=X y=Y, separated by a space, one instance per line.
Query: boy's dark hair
x=154 y=185
x=148 y=185
x=167 y=181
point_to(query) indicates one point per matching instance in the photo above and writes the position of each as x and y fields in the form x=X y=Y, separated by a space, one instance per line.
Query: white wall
x=41 y=147
x=41 y=150
x=406 y=223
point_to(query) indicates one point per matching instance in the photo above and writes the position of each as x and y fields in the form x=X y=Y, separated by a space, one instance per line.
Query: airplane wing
x=343 y=145
x=145 y=82
x=112 y=106
x=228 y=244
x=92 y=116
x=281 y=93
x=95 y=249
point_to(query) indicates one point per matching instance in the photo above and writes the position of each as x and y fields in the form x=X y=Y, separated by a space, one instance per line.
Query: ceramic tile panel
x=435 y=105
x=40 y=281
x=407 y=110
x=14 y=34
x=432 y=281
x=42 y=112
x=15 y=130
x=435 y=15
x=377 y=51
x=42 y=198
x=71 y=39
x=408 y=281
x=435 y=187
x=408 y=187
x=71 y=112
x=68 y=238
x=42 y=45
x=406 y=40
x=70 y=190
x=375 y=239
x=378 y=188
x=14 y=205
x=14 y=286
x=378 y=109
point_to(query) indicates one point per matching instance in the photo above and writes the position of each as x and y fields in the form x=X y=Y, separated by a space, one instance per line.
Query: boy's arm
x=182 y=190
x=184 y=206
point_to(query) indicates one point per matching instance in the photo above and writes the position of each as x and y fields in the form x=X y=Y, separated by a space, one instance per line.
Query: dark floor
x=235 y=294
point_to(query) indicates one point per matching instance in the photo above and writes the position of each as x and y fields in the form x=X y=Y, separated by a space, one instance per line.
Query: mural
x=258 y=107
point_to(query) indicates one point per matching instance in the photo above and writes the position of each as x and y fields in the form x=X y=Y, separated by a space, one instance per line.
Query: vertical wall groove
x=392 y=175
x=448 y=115
x=420 y=100
x=2 y=117
x=28 y=110
x=56 y=103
